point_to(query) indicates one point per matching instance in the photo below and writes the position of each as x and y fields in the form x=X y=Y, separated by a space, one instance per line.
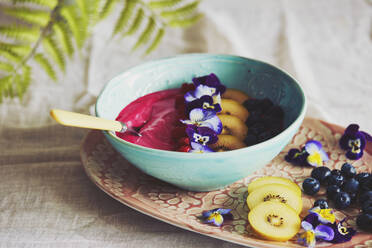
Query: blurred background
x=45 y=197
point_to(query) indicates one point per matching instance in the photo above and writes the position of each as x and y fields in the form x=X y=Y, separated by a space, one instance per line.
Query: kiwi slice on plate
x=276 y=193
x=274 y=221
x=267 y=180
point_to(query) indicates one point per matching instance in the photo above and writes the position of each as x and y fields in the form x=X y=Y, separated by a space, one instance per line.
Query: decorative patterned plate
x=122 y=181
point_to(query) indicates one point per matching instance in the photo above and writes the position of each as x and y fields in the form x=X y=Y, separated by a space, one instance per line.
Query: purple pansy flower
x=198 y=148
x=201 y=135
x=204 y=118
x=354 y=141
x=216 y=216
x=316 y=153
x=308 y=238
x=324 y=216
x=342 y=233
x=204 y=102
x=211 y=81
x=202 y=90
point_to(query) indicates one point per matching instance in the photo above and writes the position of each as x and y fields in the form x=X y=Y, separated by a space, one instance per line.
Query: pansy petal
x=202 y=90
x=189 y=96
x=324 y=155
x=197 y=115
x=352 y=129
x=313 y=146
x=217 y=99
x=214 y=123
x=187 y=122
x=306 y=225
x=206 y=214
x=314 y=159
x=324 y=232
x=223 y=211
x=218 y=220
x=367 y=136
x=196 y=146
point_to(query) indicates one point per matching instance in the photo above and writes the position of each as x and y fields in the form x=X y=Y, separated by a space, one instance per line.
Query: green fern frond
x=185 y=22
x=73 y=21
x=163 y=4
x=47 y=3
x=46 y=65
x=136 y=23
x=156 y=41
x=63 y=37
x=108 y=6
x=20 y=50
x=5 y=86
x=146 y=34
x=125 y=15
x=19 y=33
x=54 y=51
x=22 y=82
x=6 y=67
x=9 y=55
x=180 y=12
x=28 y=15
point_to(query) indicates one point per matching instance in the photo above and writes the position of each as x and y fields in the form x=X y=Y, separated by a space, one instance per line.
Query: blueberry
x=257 y=128
x=366 y=184
x=364 y=221
x=332 y=190
x=342 y=200
x=366 y=196
x=321 y=173
x=264 y=136
x=251 y=139
x=276 y=112
x=367 y=207
x=266 y=104
x=362 y=177
x=311 y=186
x=335 y=179
x=351 y=186
x=336 y=172
x=322 y=203
x=348 y=170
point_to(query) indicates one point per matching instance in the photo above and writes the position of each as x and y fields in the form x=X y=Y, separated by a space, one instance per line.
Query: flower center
x=342 y=230
x=309 y=236
x=207 y=106
x=354 y=145
x=315 y=158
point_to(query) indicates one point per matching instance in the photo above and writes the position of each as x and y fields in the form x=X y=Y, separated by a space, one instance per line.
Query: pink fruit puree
x=156 y=117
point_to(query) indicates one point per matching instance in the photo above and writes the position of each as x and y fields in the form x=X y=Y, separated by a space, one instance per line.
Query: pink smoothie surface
x=156 y=116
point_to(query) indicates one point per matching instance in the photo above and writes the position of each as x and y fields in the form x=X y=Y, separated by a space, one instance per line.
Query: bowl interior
x=257 y=79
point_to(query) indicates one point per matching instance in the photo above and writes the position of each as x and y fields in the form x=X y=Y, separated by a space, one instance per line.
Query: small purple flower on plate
x=310 y=234
x=325 y=216
x=216 y=216
x=342 y=233
x=201 y=135
x=211 y=81
x=316 y=153
x=296 y=156
x=198 y=148
x=354 y=141
x=204 y=118
x=205 y=102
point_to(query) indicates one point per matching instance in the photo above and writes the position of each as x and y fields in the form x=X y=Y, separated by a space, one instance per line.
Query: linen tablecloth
x=46 y=200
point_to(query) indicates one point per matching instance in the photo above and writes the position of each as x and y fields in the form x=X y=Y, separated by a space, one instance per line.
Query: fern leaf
x=6 y=67
x=10 y=56
x=70 y=15
x=63 y=37
x=180 y=12
x=45 y=64
x=23 y=82
x=163 y=4
x=146 y=34
x=20 y=50
x=136 y=23
x=24 y=34
x=47 y=3
x=54 y=51
x=156 y=41
x=6 y=86
x=107 y=8
x=28 y=15
x=185 y=22
x=125 y=15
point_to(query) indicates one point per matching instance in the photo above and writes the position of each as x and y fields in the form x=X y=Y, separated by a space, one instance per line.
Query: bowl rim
x=252 y=148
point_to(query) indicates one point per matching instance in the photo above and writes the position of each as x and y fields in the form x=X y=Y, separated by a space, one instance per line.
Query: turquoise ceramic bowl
x=204 y=172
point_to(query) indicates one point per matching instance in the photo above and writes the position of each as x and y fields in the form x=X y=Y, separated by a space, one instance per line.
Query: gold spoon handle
x=72 y=119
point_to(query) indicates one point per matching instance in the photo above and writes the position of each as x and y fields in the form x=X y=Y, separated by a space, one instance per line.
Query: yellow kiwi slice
x=227 y=143
x=236 y=95
x=232 y=107
x=274 y=221
x=277 y=193
x=234 y=126
x=267 y=180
